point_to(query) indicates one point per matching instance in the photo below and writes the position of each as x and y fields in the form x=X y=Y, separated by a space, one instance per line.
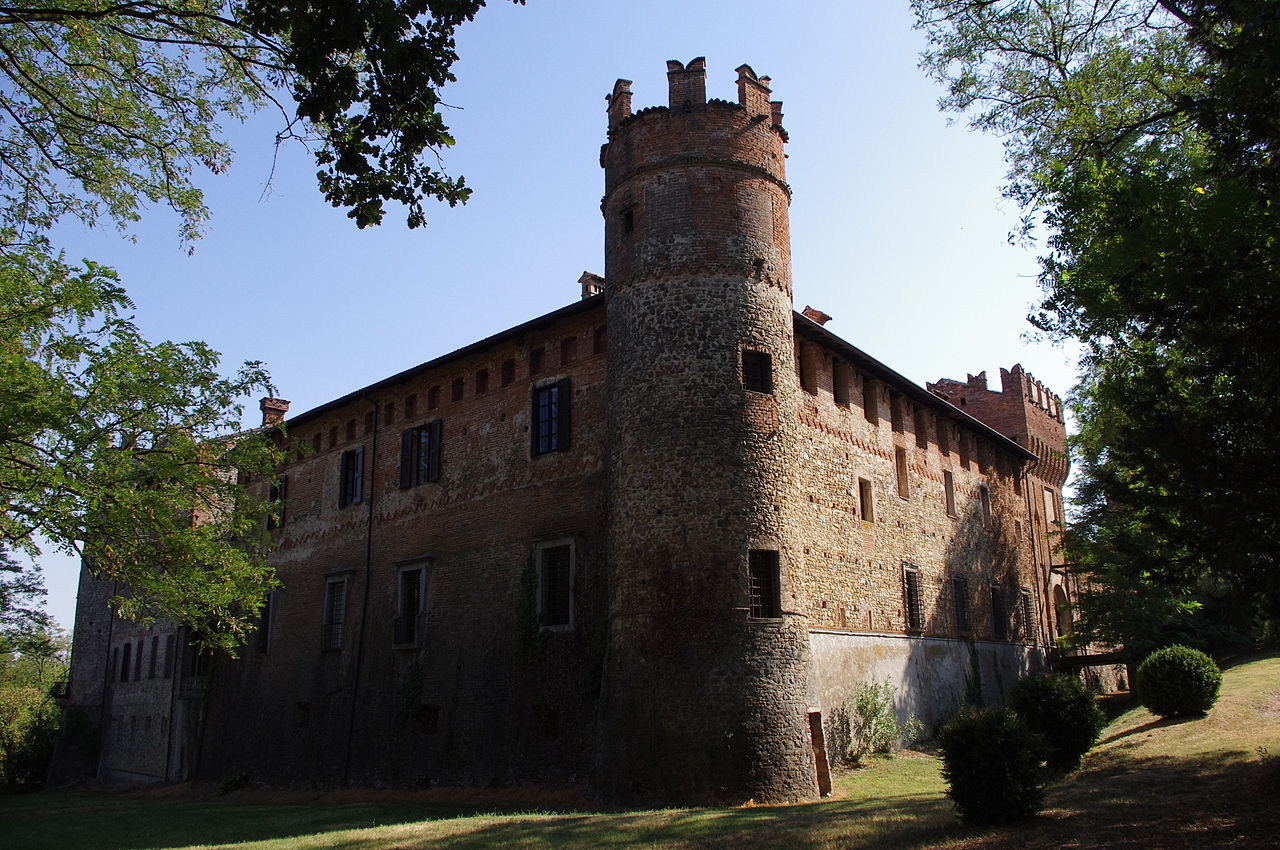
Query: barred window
x=335 y=613
x=764 y=587
x=757 y=371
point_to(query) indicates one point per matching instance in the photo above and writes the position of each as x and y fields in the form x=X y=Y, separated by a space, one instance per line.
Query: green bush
x=1177 y=681
x=867 y=723
x=991 y=761
x=1062 y=710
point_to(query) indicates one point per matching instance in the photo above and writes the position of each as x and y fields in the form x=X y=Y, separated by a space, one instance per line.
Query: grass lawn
x=1205 y=782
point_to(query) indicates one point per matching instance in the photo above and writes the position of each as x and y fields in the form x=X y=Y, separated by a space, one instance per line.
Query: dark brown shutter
x=357 y=486
x=436 y=442
x=565 y=409
x=407 y=440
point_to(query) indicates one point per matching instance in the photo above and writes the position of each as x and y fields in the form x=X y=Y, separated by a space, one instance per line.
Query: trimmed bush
x=991 y=761
x=1062 y=710
x=1178 y=681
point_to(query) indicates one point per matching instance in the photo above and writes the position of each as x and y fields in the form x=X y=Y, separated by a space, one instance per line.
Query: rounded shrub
x=1063 y=711
x=991 y=761
x=1177 y=681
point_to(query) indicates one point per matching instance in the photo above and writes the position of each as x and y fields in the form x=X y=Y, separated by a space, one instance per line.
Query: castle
x=650 y=540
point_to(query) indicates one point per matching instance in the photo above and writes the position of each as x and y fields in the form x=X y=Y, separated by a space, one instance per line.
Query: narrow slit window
x=900 y=466
x=949 y=491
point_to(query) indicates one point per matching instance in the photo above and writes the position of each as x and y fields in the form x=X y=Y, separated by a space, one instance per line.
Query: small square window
x=757 y=371
x=536 y=357
x=568 y=350
x=599 y=340
x=455 y=390
x=507 y=375
x=433 y=397
x=764 y=587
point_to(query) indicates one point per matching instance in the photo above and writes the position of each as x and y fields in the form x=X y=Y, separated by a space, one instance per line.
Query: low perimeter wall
x=934 y=676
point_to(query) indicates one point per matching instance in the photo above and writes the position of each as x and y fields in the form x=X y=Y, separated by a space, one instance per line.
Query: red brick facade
x=648 y=540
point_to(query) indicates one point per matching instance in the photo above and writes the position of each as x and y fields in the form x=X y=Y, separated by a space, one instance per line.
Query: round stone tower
x=705 y=693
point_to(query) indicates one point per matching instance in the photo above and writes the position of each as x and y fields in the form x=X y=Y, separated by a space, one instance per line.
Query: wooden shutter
x=435 y=443
x=408 y=442
x=565 y=410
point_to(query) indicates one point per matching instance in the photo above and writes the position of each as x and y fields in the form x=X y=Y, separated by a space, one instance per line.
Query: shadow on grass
x=910 y=820
x=115 y=822
x=1226 y=799
x=1157 y=723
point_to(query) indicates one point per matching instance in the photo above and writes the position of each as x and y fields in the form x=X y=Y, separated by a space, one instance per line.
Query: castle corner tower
x=705 y=692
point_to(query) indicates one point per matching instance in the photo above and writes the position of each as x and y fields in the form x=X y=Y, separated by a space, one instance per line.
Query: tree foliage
x=118 y=449
x=1142 y=136
x=109 y=105
x=29 y=718
x=122 y=450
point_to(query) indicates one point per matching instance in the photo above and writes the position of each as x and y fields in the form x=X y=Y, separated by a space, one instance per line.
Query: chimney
x=687 y=84
x=592 y=284
x=815 y=315
x=273 y=410
x=619 y=102
x=753 y=93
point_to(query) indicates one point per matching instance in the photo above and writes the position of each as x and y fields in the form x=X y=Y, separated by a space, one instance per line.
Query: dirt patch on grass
x=1271 y=706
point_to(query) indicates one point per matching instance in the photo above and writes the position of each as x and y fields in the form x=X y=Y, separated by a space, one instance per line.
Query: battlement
x=687 y=92
x=1019 y=381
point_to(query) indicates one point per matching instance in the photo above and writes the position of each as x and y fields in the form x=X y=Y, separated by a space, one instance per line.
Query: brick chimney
x=273 y=410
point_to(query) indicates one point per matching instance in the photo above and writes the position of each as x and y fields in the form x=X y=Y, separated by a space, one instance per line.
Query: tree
x=122 y=450
x=1142 y=136
x=29 y=718
x=21 y=604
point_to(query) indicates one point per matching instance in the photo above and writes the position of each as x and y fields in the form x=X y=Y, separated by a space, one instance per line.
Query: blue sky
x=898 y=227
